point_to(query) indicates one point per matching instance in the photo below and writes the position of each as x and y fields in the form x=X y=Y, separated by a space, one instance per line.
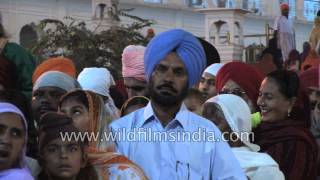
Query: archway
x=28 y=36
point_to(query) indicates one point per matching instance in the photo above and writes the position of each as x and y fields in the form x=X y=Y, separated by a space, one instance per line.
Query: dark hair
x=197 y=94
x=288 y=82
x=136 y=100
x=318 y=13
x=2 y=32
x=78 y=95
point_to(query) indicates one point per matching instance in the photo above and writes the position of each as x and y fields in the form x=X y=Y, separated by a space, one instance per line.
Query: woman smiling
x=284 y=132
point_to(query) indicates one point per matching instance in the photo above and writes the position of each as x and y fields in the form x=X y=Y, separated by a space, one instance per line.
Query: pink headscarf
x=132 y=62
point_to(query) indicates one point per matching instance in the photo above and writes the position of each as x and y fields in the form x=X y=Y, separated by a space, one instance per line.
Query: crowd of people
x=175 y=85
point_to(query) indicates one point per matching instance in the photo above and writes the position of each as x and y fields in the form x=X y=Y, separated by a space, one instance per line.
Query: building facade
x=167 y=14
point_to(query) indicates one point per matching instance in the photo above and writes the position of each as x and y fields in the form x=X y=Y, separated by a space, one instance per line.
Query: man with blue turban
x=164 y=138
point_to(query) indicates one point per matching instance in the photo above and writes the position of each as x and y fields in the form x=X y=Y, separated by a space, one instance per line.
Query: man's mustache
x=167 y=86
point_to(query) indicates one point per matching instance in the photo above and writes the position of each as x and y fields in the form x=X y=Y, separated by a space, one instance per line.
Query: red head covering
x=60 y=64
x=310 y=78
x=284 y=7
x=7 y=72
x=244 y=75
x=312 y=60
x=266 y=64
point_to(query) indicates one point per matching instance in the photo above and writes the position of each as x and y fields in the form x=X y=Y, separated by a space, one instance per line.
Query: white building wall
x=17 y=13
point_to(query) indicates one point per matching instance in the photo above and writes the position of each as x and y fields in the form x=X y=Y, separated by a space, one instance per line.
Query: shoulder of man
x=129 y=121
x=199 y=120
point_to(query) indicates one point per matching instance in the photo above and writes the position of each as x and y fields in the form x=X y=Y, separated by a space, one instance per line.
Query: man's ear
x=84 y=160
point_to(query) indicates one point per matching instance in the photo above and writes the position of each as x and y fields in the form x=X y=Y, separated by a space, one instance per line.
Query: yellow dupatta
x=101 y=154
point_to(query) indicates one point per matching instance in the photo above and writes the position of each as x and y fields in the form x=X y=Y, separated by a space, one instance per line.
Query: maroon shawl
x=291 y=144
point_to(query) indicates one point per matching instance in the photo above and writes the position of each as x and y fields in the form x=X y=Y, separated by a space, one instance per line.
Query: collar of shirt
x=149 y=115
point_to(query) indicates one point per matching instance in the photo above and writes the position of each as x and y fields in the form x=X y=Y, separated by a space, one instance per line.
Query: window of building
x=153 y=1
x=311 y=8
x=252 y=5
x=195 y=3
x=28 y=36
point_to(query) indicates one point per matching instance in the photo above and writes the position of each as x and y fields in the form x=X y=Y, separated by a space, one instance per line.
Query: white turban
x=97 y=80
x=213 y=69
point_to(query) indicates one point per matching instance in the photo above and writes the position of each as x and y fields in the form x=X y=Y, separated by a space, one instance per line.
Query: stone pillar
x=215 y=17
x=300 y=9
x=103 y=20
x=239 y=4
x=231 y=31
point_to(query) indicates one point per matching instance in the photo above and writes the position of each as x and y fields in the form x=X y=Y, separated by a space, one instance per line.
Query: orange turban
x=60 y=64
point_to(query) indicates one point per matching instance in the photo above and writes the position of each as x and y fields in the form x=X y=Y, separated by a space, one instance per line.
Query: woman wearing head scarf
x=284 y=132
x=310 y=95
x=314 y=38
x=240 y=79
x=305 y=51
x=13 y=140
x=312 y=60
x=232 y=115
x=294 y=61
x=88 y=113
x=99 y=80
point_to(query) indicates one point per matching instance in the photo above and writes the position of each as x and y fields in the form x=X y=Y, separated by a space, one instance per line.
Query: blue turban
x=187 y=47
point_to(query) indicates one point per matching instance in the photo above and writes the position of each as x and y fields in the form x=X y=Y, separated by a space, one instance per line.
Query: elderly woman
x=89 y=115
x=232 y=115
x=13 y=140
x=284 y=133
x=240 y=79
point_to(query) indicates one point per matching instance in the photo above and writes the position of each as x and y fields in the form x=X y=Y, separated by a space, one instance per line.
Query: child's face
x=193 y=104
x=63 y=159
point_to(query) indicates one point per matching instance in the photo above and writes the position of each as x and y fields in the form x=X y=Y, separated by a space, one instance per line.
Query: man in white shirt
x=285 y=33
x=174 y=61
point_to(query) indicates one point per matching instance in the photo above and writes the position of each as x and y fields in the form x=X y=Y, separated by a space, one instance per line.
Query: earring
x=289 y=112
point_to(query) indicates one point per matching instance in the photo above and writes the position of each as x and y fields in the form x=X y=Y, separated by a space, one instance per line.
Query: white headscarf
x=213 y=69
x=237 y=114
x=256 y=165
x=99 y=80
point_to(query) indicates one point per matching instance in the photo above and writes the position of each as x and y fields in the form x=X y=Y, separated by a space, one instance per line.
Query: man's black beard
x=167 y=100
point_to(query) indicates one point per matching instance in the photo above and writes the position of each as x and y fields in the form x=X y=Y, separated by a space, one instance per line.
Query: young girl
x=61 y=159
x=88 y=113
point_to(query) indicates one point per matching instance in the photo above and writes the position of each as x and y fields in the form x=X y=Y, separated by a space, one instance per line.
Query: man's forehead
x=172 y=60
x=314 y=88
x=132 y=81
x=50 y=89
x=208 y=76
